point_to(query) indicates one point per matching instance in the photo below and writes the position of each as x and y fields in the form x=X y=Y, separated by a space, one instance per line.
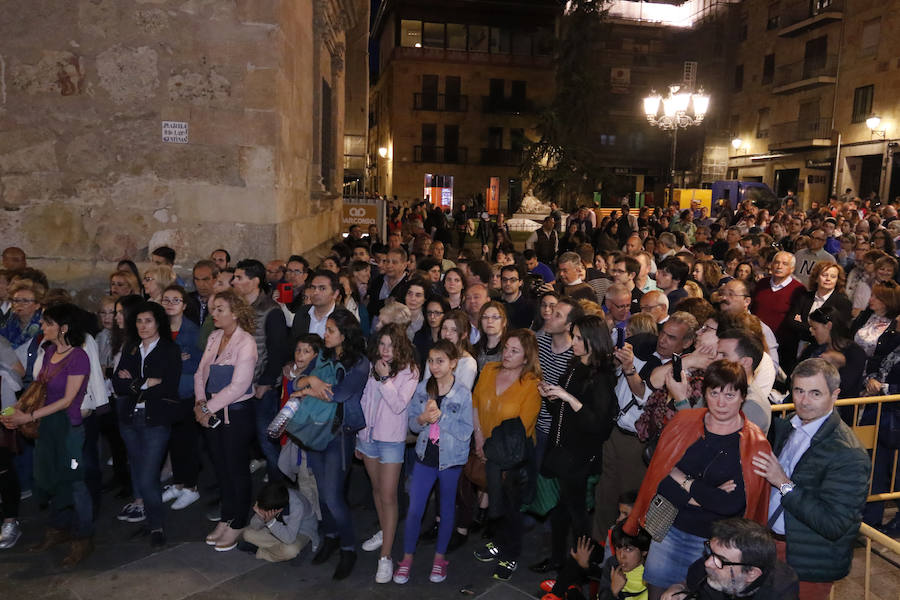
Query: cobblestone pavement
x=124 y=567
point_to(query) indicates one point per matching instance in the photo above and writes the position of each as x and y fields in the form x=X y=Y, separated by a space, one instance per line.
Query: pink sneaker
x=438 y=570
x=401 y=575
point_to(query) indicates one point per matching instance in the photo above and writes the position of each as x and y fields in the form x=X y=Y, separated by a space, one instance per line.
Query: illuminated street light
x=872 y=123
x=382 y=152
x=679 y=109
x=736 y=143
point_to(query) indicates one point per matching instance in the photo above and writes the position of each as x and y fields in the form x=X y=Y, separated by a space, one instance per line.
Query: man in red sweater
x=774 y=296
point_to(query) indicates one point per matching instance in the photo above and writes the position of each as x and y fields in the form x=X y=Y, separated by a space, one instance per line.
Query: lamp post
x=679 y=109
x=873 y=123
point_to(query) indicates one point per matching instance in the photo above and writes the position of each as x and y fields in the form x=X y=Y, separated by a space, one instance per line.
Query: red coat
x=680 y=434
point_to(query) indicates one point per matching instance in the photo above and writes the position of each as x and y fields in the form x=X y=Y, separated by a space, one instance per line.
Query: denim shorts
x=385 y=452
x=668 y=561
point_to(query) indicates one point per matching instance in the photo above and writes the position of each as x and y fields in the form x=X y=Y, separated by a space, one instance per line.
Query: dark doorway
x=870 y=175
x=894 y=188
x=786 y=179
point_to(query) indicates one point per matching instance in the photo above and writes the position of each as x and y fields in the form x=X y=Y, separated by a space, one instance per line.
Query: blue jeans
x=668 y=561
x=78 y=518
x=90 y=457
x=266 y=409
x=147 y=446
x=330 y=467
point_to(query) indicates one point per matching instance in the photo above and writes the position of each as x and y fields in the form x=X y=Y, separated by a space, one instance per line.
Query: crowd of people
x=614 y=380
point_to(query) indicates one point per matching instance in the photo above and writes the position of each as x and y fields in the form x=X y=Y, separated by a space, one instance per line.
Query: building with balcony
x=456 y=89
x=807 y=76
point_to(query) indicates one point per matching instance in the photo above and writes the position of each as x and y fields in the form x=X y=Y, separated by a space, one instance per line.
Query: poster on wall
x=492 y=196
x=439 y=190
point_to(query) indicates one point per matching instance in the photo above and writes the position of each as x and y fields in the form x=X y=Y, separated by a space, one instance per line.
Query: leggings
x=423 y=478
x=9 y=486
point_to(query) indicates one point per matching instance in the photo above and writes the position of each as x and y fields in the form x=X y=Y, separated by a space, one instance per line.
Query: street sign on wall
x=356 y=213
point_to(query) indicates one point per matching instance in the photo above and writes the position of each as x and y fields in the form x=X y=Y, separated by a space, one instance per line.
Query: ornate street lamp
x=679 y=109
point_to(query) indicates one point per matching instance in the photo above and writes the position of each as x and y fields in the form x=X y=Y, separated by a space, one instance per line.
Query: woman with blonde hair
x=223 y=405
x=156 y=279
x=641 y=323
x=123 y=283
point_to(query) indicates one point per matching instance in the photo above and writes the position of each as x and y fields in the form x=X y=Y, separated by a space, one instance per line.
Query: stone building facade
x=807 y=77
x=255 y=93
x=456 y=95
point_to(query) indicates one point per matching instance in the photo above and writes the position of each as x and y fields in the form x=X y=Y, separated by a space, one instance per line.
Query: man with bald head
x=476 y=297
x=634 y=245
x=656 y=304
x=775 y=295
x=14 y=259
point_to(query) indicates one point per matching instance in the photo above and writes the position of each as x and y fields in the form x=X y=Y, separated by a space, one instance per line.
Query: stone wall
x=85 y=177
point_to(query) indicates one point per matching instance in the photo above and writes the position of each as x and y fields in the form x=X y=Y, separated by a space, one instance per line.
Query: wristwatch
x=786 y=488
x=204 y=409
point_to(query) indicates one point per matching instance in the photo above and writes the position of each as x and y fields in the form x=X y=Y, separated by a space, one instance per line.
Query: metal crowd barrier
x=868 y=436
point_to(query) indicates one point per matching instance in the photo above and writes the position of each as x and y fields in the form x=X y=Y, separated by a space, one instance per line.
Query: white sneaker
x=171 y=493
x=185 y=499
x=385 y=571
x=374 y=542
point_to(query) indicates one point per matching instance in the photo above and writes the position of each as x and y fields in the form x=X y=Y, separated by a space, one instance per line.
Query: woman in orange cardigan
x=507 y=390
x=702 y=465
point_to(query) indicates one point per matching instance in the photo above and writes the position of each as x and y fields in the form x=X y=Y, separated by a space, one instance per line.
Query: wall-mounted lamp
x=737 y=143
x=873 y=123
x=382 y=152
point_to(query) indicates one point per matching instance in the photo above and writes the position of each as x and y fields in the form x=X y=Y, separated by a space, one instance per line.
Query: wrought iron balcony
x=440 y=102
x=801 y=134
x=441 y=154
x=809 y=15
x=806 y=74
x=505 y=157
x=509 y=106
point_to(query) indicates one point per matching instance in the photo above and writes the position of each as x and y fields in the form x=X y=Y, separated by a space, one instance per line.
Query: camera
x=533 y=285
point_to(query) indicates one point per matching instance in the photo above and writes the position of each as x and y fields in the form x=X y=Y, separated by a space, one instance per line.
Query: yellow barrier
x=873 y=535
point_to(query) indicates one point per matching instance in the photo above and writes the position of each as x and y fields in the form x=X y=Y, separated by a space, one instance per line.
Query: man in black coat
x=740 y=562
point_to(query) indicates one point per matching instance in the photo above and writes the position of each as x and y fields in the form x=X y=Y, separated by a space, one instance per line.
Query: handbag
x=559 y=461
x=661 y=513
x=316 y=421
x=36 y=396
x=475 y=471
x=660 y=516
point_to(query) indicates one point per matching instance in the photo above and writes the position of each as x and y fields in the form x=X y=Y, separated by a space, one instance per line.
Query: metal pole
x=837 y=166
x=674 y=146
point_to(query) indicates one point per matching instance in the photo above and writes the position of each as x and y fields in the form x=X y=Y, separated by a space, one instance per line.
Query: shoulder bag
x=36 y=396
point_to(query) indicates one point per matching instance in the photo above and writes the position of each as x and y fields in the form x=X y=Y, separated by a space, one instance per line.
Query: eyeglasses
x=720 y=561
x=509 y=279
x=296 y=271
x=491 y=317
x=706 y=327
x=434 y=313
x=173 y=301
x=733 y=295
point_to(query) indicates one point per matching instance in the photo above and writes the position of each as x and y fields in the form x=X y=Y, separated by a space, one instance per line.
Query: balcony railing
x=814 y=13
x=505 y=157
x=806 y=73
x=797 y=134
x=440 y=102
x=509 y=106
x=482 y=58
x=441 y=154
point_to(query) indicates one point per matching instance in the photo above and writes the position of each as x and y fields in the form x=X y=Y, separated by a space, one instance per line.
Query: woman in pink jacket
x=223 y=391
x=382 y=443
